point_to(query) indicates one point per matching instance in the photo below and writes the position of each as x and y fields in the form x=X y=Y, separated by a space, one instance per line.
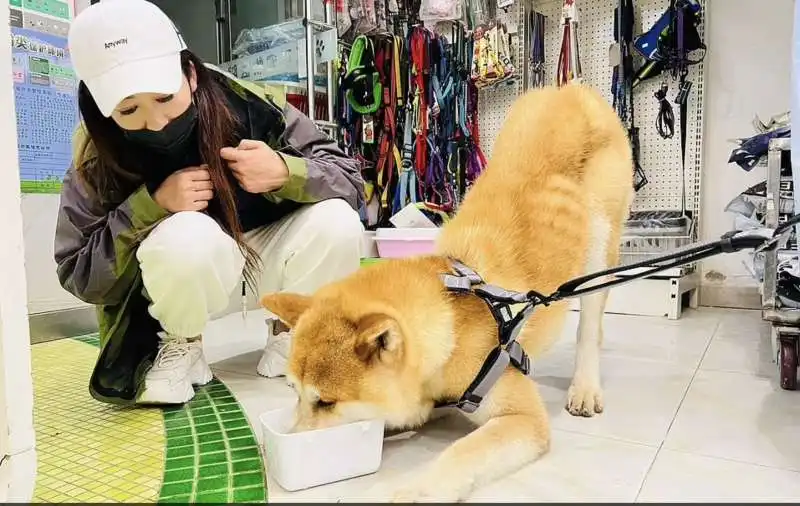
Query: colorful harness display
x=408 y=112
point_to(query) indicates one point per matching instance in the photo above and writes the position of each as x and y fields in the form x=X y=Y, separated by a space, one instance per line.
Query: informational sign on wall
x=45 y=91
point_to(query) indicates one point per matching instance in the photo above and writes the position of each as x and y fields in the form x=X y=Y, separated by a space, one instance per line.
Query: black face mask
x=172 y=138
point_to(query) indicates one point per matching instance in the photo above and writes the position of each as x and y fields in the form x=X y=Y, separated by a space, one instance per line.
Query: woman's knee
x=336 y=223
x=187 y=243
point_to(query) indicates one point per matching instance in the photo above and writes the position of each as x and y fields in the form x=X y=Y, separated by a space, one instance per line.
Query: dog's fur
x=389 y=341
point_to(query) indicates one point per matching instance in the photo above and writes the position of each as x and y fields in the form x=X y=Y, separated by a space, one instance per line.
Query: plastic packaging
x=657 y=223
x=363 y=15
x=440 y=10
x=255 y=40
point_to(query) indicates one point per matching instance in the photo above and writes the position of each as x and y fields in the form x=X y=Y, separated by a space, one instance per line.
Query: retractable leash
x=510 y=325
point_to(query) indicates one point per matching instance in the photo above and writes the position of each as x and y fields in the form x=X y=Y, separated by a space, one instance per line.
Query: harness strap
x=509 y=351
x=419 y=42
x=362 y=80
x=407 y=188
x=389 y=159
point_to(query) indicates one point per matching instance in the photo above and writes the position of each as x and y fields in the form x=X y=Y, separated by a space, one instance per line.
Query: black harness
x=509 y=351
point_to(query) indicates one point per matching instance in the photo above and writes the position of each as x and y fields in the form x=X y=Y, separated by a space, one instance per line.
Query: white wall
x=748 y=71
x=14 y=337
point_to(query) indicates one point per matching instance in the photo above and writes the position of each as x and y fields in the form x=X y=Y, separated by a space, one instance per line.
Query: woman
x=189 y=190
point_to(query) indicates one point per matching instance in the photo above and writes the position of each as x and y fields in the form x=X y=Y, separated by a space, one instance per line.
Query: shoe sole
x=200 y=374
x=180 y=394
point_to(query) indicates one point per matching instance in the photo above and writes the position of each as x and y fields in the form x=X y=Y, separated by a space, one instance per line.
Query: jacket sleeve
x=323 y=171
x=94 y=247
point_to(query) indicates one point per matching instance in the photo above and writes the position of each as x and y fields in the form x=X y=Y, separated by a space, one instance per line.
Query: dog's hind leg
x=585 y=395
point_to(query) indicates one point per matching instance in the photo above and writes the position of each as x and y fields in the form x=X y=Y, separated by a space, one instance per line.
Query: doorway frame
x=16 y=380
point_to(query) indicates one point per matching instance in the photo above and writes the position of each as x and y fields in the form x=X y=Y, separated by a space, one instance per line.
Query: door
x=202 y=24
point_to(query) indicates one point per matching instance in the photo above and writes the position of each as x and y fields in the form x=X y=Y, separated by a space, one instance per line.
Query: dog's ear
x=378 y=338
x=286 y=306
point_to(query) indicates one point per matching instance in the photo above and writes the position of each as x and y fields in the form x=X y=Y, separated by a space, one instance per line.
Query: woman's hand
x=188 y=189
x=256 y=166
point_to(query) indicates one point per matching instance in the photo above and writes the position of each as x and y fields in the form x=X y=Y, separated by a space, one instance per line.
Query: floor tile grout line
x=737 y=461
x=603 y=437
x=677 y=410
x=228 y=456
x=196 y=457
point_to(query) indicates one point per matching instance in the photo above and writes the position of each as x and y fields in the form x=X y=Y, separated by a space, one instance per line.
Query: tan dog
x=390 y=341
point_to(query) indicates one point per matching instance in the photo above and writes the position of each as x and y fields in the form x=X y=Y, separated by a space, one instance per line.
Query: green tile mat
x=212 y=454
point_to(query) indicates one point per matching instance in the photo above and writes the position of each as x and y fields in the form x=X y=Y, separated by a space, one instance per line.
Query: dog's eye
x=325 y=404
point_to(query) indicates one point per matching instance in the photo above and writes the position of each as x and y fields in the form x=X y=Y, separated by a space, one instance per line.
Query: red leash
x=419 y=61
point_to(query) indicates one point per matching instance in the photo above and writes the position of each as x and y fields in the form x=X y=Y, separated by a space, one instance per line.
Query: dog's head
x=349 y=360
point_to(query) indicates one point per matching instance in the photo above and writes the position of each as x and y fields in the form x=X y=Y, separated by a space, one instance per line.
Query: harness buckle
x=456 y=283
x=469 y=403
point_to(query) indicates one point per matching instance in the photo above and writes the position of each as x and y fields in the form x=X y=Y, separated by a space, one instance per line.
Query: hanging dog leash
x=389 y=159
x=569 y=62
x=466 y=281
x=537 y=68
x=622 y=84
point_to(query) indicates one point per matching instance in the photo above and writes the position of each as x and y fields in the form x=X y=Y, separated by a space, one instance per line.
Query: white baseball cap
x=123 y=47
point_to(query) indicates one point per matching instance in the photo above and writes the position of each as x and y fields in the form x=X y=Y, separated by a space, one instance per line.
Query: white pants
x=192 y=269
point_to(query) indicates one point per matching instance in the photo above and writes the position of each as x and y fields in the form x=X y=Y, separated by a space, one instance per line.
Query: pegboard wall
x=659 y=158
x=494 y=102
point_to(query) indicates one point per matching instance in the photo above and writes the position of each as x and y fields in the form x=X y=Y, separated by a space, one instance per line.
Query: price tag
x=613 y=55
x=368 y=130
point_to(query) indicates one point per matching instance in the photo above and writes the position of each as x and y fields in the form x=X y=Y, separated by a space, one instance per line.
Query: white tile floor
x=693 y=413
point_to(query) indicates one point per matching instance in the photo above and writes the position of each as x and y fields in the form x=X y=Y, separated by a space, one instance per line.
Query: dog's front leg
x=516 y=433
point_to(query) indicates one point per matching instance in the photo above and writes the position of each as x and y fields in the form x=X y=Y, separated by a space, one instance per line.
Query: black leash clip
x=683 y=92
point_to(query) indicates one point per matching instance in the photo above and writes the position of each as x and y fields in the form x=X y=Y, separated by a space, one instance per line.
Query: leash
x=665 y=121
x=622 y=85
x=407 y=112
x=537 y=31
x=569 y=64
x=419 y=65
x=389 y=158
x=509 y=352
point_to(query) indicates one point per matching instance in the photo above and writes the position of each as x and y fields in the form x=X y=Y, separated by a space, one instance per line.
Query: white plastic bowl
x=308 y=459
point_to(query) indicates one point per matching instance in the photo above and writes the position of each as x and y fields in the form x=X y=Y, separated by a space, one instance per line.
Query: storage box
x=301 y=460
x=405 y=242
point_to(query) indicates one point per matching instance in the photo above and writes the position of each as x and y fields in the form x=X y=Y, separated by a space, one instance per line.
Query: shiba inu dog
x=390 y=341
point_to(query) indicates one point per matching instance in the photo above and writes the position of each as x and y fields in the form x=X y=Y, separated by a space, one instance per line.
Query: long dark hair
x=112 y=172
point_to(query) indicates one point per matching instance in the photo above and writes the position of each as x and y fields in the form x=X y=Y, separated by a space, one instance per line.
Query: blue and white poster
x=45 y=90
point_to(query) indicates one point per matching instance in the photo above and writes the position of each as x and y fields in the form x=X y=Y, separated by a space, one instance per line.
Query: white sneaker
x=179 y=365
x=276 y=354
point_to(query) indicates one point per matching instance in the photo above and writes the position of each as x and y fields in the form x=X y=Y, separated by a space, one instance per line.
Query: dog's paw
x=417 y=493
x=584 y=399
x=428 y=490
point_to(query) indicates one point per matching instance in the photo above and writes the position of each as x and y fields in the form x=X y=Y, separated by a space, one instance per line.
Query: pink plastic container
x=405 y=242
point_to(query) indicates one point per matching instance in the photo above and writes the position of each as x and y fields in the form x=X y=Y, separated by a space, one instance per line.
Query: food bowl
x=302 y=460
